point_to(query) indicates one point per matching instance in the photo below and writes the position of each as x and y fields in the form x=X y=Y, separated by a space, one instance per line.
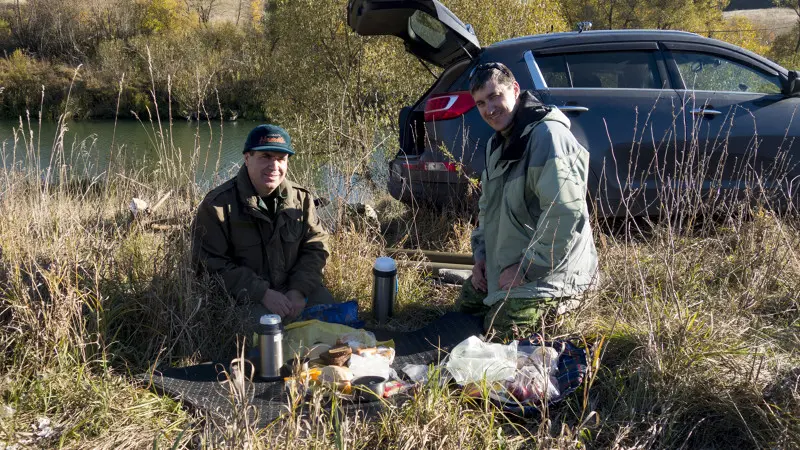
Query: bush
x=786 y=49
x=29 y=83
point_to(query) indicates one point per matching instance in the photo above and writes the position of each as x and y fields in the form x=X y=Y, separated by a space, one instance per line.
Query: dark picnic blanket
x=199 y=386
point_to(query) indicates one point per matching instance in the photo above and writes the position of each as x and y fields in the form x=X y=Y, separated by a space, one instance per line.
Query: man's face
x=267 y=170
x=496 y=103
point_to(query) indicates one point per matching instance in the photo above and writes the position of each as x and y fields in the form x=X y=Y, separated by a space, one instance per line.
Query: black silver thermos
x=270 y=345
x=384 y=288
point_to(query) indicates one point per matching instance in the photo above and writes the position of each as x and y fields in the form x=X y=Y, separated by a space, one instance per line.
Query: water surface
x=212 y=151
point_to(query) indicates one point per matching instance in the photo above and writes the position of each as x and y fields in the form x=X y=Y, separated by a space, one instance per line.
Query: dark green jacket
x=233 y=238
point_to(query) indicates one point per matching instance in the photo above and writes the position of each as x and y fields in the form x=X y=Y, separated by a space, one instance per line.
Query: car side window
x=611 y=70
x=709 y=72
x=554 y=71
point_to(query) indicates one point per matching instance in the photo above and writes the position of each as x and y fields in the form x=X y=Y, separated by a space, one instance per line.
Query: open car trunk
x=430 y=30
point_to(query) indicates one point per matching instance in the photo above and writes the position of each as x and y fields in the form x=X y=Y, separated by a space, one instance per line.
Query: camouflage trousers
x=505 y=314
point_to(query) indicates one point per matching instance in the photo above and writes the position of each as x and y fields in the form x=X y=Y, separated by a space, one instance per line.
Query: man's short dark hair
x=494 y=71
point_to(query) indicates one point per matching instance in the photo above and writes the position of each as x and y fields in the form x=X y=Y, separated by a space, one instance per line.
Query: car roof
x=542 y=41
x=590 y=37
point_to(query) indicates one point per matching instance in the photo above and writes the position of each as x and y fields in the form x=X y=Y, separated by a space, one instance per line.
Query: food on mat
x=337 y=356
x=393 y=387
x=384 y=352
x=317 y=350
x=335 y=374
x=387 y=352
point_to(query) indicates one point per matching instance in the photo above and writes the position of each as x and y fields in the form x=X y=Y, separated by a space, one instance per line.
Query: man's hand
x=277 y=303
x=298 y=302
x=479 y=275
x=511 y=277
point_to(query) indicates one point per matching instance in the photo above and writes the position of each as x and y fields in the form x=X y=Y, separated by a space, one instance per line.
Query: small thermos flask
x=384 y=288
x=270 y=345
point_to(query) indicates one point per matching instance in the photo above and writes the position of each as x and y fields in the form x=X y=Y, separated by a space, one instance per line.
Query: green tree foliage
x=71 y=32
x=162 y=15
x=325 y=65
x=786 y=47
x=505 y=19
x=287 y=60
x=28 y=83
x=744 y=33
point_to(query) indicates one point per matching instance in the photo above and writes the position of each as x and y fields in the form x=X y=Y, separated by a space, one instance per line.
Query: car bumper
x=430 y=189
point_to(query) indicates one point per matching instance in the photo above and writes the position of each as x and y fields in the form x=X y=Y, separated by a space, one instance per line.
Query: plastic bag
x=299 y=337
x=345 y=313
x=546 y=357
x=370 y=365
x=473 y=360
x=531 y=383
x=417 y=373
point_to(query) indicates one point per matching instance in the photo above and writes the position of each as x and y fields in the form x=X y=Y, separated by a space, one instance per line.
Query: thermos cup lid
x=270 y=319
x=385 y=264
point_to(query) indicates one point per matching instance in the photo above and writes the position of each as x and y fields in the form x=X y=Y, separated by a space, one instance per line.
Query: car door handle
x=576 y=109
x=705 y=112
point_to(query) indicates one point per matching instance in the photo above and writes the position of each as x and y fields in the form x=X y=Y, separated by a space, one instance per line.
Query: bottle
x=384 y=288
x=270 y=346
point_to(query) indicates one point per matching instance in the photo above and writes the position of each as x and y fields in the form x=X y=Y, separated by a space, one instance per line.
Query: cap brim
x=269 y=148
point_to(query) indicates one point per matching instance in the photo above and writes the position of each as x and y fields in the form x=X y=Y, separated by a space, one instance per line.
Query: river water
x=213 y=151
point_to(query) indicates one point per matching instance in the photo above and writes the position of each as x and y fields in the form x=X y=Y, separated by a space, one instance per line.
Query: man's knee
x=520 y=312
x=470 y=300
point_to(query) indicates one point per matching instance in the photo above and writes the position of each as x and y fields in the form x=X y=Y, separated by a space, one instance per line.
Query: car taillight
x=448 y=106
x=431 y=166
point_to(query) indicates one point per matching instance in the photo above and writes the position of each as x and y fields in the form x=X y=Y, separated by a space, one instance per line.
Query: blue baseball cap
x=268 y=138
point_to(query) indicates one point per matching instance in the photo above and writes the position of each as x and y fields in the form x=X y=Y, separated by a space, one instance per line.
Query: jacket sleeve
x=560 y=186
x=211 y=252
x=477 y=241
x=306 y=274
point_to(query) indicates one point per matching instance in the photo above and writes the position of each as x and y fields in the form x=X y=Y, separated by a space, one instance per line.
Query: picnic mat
x=199 y=386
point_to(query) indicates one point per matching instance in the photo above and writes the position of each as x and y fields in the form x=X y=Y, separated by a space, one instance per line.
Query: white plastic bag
x=417 y=373
x=546 y=357
x=370 y=365
x=474 y=360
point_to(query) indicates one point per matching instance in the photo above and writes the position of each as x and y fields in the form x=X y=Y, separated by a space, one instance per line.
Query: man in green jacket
x=533 y=248
x=260 y=232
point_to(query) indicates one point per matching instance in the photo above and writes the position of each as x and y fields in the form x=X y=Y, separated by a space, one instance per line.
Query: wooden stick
x=161 y=201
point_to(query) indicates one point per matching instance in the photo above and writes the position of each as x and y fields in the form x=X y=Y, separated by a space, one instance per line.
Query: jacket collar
x=249 y=196
x=529 y=110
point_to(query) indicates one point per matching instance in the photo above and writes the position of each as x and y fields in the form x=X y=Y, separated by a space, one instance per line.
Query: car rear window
x=709 y=72
x=611 y=70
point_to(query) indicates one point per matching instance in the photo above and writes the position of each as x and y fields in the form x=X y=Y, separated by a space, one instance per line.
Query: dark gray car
x=659 y=111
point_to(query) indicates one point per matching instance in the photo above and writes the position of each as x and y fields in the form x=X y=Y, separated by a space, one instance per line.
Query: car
x=659 y=111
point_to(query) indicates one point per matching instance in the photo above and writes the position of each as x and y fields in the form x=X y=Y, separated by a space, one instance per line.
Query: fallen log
x=434 y=267
x=430 y=255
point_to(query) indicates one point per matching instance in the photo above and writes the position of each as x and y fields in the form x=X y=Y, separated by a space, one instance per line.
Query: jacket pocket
x=246 y=242
x=292 y=228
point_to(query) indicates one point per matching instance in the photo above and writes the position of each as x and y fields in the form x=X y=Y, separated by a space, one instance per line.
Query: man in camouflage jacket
x=260 y=232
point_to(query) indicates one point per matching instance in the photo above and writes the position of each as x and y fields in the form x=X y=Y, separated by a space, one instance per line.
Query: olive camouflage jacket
x=233 y=238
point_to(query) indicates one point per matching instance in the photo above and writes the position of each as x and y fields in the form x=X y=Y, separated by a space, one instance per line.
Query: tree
x=204 y=8
x=690 y=15
x=795 y=6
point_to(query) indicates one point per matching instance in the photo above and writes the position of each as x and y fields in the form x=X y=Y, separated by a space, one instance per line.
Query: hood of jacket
x=529 y=110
